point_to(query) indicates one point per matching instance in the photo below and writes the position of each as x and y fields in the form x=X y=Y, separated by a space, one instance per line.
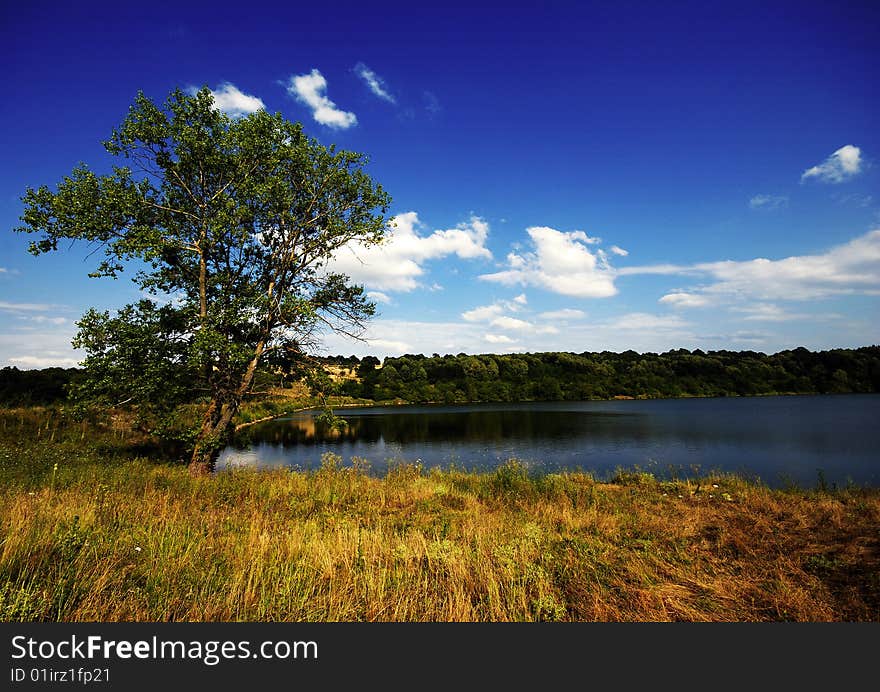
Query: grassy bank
x=95 y=528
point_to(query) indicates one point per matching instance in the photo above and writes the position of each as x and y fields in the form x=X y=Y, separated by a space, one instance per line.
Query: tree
x=232 y=223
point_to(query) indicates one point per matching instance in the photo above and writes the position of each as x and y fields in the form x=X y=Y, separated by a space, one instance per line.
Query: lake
x=785 y=440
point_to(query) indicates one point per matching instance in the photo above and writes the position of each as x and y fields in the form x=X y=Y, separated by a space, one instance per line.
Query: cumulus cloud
x=518 y=325
x=235 y=103
x=499 y=339
x=310 y=90
x=379 y=297
x=560 y=262
x=842 y=165
x=397 y=263
x=768 y=202
x=681 y=299
x=483 y=314
x=506 y=322
x=619 y=251
x=374 y=82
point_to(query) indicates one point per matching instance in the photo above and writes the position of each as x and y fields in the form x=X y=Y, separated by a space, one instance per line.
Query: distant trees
x=35 y=387
x=572 y=376
x=562 y=376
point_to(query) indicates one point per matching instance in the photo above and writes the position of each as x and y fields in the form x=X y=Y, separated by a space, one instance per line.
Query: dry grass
x=99 y=538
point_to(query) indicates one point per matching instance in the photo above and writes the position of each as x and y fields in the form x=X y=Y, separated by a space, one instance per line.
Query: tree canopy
x=558 y=376
x=230 y=224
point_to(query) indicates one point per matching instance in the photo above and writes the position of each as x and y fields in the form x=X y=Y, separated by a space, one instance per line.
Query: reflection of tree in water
x=794 y=435
x=471 y=426
x=688 y=422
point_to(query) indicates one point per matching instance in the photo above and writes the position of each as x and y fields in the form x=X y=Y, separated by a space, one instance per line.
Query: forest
x=582 y=376
x=550 y=376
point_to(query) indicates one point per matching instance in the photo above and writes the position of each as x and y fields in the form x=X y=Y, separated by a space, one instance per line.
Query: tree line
x=550 y=376
x=556 y=376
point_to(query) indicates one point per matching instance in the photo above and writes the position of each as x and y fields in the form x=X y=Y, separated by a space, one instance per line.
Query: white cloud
x=514 y=324
x=26 y=307
x=398 y=347
x=506 y=322
x=564 y=314
x=643 y=321
x=43 y=319
x=234 y=103
x=841 y=165
x=684 y=300
x=499 y=339
x=847 y=269
x=561 y=262
x=619 y=251
x=397 y=263
x=386 y=337
x=3 y=270
x=768 y=202
x=375 y=83
x=483 y=314
x=654 y=269
x=310 y=89
x=39 y=347
x=768 y=312
x=379 y=297
x=853 y=267
x=49 y=361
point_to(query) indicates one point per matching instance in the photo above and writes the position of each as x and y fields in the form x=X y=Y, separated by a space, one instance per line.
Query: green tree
x=234 y=220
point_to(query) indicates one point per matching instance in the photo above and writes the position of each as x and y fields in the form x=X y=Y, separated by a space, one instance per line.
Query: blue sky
x=565 y=175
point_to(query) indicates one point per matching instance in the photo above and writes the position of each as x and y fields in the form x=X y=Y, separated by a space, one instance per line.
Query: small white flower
x=714 y=485
x=137 y=549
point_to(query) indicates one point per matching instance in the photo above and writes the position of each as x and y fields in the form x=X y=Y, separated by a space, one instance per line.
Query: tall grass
x=91 y=531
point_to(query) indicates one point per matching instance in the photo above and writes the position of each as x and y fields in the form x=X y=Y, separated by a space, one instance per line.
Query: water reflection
x=779 y=439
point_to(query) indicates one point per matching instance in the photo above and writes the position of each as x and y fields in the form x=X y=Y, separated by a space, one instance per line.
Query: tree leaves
x=232 y=223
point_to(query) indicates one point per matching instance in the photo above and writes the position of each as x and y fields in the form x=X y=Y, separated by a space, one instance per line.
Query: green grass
x=96 y=527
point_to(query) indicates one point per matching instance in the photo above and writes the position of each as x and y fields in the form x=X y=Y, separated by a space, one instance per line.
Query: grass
x=95 y=529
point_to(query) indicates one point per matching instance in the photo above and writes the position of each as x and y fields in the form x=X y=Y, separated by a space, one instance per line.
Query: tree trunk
x=213 y=435
x=217 y=423
x=207 y=449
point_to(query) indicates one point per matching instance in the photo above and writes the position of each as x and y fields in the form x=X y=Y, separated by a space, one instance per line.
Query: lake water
x=779 y=440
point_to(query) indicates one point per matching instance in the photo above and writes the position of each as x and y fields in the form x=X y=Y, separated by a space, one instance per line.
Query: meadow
x=100 y=524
